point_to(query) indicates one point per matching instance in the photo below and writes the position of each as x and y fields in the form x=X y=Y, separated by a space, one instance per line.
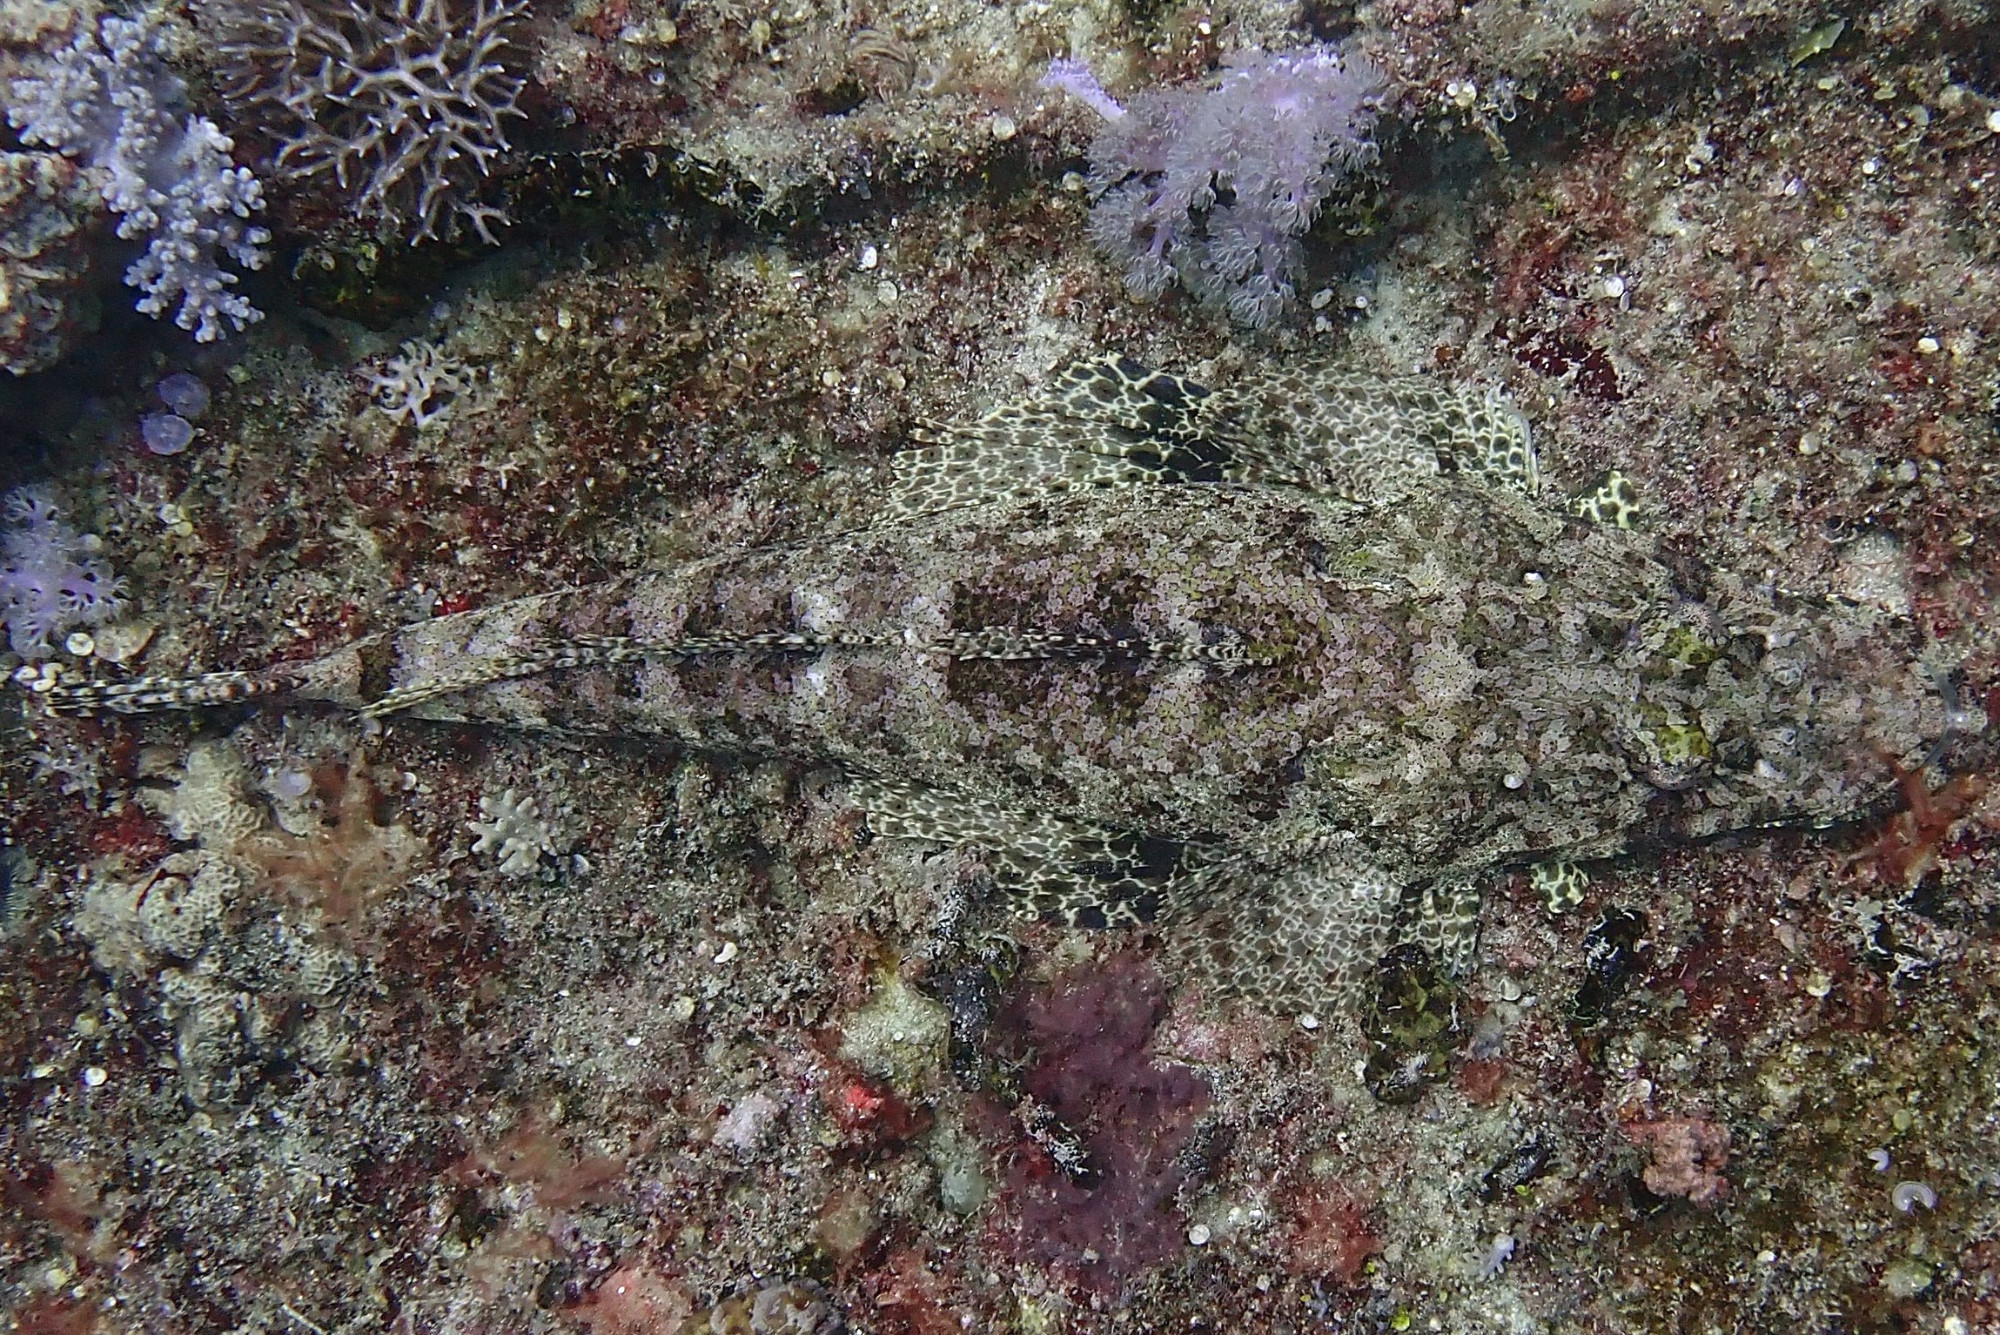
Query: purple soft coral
x=109 y=100
x=51 y=577
x=1213 y=186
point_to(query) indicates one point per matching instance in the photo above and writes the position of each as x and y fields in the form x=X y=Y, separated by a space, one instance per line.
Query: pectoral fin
x=1302 y=939
x=1053 y=867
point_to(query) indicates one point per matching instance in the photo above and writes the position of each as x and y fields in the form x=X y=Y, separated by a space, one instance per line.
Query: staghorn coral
x=1328 y=1233
x=534 y=1158
x=339 y=859
x=244 y=938
x=249 y=988
x=790 y=1307
x=634 y=1299
x=403 y=103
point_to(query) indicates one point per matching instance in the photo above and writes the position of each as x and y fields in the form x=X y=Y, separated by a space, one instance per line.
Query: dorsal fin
x=1103 y=423
x=1114 y=422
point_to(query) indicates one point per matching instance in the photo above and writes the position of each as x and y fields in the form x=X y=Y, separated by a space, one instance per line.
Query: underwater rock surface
x=428 y=1025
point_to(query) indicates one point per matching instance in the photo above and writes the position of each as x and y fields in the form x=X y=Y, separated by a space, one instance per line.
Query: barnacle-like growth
x=403 y=103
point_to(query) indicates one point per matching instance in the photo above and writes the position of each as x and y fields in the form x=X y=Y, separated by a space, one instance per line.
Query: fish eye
x=1785 y=670
x=1668 y=752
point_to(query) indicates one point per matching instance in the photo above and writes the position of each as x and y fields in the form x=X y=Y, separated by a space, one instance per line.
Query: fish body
x=1302 y=722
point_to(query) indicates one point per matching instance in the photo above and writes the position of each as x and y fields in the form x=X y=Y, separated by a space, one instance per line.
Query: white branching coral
x=422 y=385
x=401 y=102
x=109 y=101
x=514 y=829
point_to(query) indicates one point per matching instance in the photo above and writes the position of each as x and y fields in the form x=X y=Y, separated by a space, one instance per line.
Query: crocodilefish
x=1291 y=667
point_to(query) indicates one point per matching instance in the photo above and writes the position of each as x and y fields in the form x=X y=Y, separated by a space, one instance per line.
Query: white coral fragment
x=422 y=384
x=514 y=828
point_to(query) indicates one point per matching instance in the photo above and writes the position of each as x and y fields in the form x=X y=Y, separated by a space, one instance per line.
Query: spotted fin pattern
x=1303 y=937
x=146 y=695
x=1368 y=437
x=1560 y=882
x=1612 y=499
x=1443 y=918
x=1299 y=927
x=1070 y=871
x=1350 y=435
x=1110 y=422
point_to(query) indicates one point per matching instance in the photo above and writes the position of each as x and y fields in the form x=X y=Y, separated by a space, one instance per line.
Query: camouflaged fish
x=1289 y=667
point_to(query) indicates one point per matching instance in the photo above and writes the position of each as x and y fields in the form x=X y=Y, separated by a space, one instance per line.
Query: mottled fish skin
x=1463 y=680
x=1467 y=676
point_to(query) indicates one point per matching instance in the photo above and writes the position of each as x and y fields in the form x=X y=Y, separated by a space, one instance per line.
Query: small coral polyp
x=51 y=577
